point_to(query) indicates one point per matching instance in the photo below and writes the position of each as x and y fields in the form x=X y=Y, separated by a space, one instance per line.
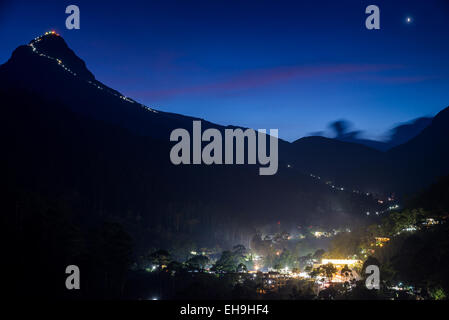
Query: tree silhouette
x=197 y=263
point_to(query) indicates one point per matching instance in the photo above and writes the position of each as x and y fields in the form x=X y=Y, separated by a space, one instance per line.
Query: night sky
x=295 y=66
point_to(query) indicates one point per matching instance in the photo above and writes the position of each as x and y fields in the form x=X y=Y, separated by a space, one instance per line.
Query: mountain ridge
x=108 y=158
x=346 y=163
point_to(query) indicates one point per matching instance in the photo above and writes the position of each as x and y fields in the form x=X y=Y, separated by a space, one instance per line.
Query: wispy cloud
x=258 y=78
x=397 y=79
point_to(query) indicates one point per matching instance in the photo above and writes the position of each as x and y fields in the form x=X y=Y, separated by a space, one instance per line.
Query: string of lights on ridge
x=67 y=69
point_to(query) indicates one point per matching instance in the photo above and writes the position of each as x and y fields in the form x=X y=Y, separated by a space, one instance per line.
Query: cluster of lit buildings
x=275 y=279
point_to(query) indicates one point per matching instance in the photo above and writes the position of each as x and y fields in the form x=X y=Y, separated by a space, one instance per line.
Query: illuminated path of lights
x=62 y=65
x=390 y=208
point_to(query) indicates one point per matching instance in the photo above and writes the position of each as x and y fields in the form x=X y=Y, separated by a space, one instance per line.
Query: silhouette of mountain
x=407 y=131
x=72 y=140
x=52 y=46
x=341 y=129
x=40 y=67
x=398 y=135
x=423 y=159
x=345 y=164
x=403 y=169
x=374 y=144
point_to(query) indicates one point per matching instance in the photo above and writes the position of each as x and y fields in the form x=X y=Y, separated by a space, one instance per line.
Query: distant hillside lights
x=213 y=151
x=39 y=39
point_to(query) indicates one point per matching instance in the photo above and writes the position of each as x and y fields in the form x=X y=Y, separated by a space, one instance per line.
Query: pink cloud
x=264 y=77
x=396 y=79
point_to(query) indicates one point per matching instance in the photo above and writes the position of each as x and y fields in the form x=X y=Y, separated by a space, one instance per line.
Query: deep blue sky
x=295 y=66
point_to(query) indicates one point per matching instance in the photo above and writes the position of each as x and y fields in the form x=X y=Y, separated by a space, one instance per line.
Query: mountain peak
x=44 y=51
x=50 y=41
x=51 y=45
